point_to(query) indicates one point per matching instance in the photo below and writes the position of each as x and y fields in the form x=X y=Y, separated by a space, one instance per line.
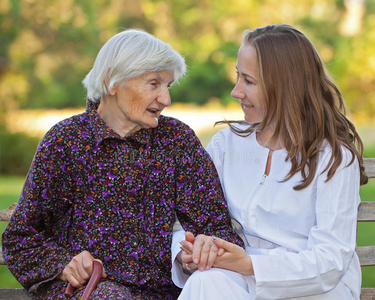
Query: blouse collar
x=102 y=131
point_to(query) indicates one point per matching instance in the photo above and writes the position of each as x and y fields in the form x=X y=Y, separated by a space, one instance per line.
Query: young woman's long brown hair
x=302 y=100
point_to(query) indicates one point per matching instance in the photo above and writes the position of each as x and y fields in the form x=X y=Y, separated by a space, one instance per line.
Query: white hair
x=129 y=54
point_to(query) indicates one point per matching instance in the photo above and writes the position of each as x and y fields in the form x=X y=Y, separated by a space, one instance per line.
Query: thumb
x=104 y=275
x=222 y=244
x=189 y=237
x=221 y=251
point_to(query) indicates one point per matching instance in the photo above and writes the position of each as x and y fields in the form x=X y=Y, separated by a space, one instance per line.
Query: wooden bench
x=366 y=213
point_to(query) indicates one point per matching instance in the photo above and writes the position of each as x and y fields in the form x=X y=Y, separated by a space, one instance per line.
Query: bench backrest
x=366 y=213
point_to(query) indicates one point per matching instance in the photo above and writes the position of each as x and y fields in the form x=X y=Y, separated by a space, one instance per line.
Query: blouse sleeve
x=201 y=207
x=331 y=242
x=215 y=149
x=179 y=277
x=29 y=241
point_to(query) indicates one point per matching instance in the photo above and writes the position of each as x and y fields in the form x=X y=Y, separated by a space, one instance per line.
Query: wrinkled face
x=247 y=88
x=142 y=99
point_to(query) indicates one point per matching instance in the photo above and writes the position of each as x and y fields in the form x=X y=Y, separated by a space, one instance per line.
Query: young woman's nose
x=237 y=92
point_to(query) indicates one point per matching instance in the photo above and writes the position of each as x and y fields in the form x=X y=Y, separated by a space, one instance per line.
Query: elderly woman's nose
x=164 y=98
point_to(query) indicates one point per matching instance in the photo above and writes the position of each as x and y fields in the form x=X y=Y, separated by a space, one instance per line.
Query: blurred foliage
x=16 y=152
x=47 y=46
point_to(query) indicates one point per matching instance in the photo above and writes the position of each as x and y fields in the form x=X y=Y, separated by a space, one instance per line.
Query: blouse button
x=133 y=242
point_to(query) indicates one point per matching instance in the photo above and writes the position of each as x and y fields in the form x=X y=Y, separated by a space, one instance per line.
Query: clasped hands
x=204 y=252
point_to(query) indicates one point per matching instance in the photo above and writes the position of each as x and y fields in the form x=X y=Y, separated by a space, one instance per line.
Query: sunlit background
x=48 y=46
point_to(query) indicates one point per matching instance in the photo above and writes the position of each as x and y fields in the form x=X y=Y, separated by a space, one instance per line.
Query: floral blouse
x=118 y=198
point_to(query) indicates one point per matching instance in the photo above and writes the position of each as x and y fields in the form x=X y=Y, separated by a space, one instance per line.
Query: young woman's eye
x=248 y=81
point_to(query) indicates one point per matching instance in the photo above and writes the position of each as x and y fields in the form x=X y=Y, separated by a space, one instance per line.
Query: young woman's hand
x=235 y=258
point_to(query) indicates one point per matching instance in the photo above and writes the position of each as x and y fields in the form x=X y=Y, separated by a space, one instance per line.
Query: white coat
x=301 y=243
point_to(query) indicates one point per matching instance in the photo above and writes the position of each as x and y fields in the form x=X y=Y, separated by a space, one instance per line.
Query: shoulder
x=170 y=123
x=174 y=135
x=227 y=138
x=71 y=123
x=326 y=154
x=172 y=128
x=65 y=129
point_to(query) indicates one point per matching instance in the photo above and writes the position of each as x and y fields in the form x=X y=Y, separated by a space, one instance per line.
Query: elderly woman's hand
x=185 y=256
x=202 y=252
x=79 y=270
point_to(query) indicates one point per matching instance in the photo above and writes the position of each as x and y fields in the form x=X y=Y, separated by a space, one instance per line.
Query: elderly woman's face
x=142 y=99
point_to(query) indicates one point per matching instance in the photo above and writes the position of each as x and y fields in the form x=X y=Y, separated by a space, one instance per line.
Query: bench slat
x=2 y=260
x=19 y=294
x=367 y=294
x=366 y=255
x=7 y=213
x=369 y=167
x=366 y=211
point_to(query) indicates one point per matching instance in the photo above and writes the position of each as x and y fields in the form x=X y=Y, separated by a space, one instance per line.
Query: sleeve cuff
x=179 y=277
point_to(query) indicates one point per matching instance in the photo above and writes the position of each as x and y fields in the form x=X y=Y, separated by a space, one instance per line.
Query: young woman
x=291 y=175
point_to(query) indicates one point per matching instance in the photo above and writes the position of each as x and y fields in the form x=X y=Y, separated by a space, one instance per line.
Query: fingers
x=186 y=257
x=187 y=247
x=226 y=246
x=189 y=237
x=235 y=258
x=79 y=269
x=186 y=260
x=197 y=248
x=212 y=256
x=203 y=253
x=190 y=267
x=203 y=250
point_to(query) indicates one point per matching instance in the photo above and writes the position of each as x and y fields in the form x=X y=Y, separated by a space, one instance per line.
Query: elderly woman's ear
x=111 y=91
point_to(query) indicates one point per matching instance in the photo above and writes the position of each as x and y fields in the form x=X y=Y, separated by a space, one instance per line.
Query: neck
x=265 y=139
x=114 y=118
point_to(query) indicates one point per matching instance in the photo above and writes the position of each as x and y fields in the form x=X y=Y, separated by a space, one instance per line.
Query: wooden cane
x=91 y=285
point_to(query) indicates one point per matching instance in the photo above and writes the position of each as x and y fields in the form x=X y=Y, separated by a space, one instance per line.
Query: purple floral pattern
x=89 y=189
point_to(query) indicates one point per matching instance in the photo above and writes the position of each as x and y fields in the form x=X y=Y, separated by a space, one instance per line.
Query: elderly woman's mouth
x=154 y=110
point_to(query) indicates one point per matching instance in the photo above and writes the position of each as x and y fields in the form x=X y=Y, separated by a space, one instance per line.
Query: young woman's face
x=247 y=88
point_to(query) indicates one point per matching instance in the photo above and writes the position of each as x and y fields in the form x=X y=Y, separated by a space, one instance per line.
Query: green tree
x=47 y=46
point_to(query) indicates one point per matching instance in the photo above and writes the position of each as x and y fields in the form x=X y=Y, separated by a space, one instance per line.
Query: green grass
x=10 y=189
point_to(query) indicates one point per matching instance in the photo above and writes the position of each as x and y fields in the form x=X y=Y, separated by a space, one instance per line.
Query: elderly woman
x=108 y=184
